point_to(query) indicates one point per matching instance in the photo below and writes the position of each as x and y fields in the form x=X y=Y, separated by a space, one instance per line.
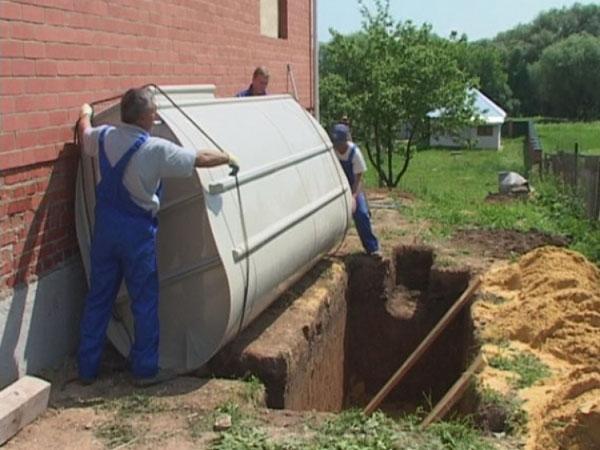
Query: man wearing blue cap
x=354 y=166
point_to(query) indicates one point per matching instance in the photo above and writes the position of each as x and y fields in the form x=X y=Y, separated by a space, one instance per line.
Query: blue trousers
x=362 y=221
x=122 y=246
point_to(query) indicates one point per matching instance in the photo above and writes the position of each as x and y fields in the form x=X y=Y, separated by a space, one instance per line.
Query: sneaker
x=376 y=254
x=162 y=376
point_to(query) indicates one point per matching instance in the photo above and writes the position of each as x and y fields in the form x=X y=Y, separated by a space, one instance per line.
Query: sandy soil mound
x=549 y=300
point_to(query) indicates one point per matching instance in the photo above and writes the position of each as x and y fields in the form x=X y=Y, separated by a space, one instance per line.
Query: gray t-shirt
x=157 y=158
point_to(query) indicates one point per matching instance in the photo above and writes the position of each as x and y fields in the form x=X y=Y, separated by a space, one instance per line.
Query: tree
x=567 y=77
x=523 y=46
x=484 y=61
x=387 y=78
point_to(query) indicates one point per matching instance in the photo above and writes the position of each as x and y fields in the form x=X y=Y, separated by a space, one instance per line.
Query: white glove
x=86 y=110
x=234 y=164
x=233 y=161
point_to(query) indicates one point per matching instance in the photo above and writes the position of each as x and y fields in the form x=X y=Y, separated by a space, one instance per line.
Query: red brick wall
x=57 y=54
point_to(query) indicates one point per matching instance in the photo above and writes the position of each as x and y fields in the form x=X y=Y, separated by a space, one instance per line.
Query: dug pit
x=338 y=335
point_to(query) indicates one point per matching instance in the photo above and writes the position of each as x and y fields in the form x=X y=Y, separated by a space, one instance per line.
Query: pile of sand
x=549 y=301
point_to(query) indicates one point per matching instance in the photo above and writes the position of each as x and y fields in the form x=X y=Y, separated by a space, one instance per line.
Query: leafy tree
x=567 y=77
x=387 y=78
x=484 y=61
x=523 y=46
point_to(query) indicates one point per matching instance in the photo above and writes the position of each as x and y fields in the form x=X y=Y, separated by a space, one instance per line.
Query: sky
x=477 y=18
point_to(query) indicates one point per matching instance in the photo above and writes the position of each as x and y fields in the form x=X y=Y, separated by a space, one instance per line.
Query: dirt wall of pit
x=296 y=347
x=335 y=338
x=392 y=306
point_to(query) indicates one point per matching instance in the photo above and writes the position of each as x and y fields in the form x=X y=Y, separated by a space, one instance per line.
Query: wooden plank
x=454 y=394
x=423 y=346
x=21 y=403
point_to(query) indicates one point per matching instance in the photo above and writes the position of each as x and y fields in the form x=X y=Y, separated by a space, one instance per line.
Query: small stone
x=222 y=423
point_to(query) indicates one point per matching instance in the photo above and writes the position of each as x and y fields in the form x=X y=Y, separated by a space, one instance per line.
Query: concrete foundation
x=39 y=322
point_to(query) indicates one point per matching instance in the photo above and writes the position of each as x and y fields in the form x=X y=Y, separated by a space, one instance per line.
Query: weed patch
x=134 y=404
x=526 y=366
x=353 y=430
x=115 y=433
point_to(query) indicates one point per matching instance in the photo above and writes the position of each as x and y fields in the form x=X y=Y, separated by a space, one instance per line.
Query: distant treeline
x=549 y=67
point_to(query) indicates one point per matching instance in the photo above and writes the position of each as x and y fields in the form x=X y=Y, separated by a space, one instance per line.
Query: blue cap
x=340 y=133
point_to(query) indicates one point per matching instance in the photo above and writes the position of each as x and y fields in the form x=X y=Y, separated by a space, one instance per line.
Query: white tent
x=224 y=253
x=486 y=134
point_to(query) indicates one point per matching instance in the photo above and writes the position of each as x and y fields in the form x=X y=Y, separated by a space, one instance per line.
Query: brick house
x=56 y=55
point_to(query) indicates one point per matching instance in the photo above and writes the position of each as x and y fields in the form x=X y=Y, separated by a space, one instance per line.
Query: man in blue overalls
x=131 y=165
x=354 y=166
x=258 y=86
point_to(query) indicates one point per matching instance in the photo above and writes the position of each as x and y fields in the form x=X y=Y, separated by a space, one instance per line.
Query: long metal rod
x=293 y=80
x=455 y=393
x=423 y=347
x=225 y=184
x=316 y=81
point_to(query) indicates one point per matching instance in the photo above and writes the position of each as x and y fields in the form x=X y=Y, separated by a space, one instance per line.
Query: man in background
x=258 y=86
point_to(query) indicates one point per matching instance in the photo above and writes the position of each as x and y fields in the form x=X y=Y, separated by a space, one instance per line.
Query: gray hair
x=262 y=71
x=135 y=103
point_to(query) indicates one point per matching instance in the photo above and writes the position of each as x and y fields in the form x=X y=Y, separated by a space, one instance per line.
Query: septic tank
x=227 y=249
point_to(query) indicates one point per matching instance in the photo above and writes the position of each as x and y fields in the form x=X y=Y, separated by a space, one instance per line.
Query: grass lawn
x=562 y=136
x=451 y=188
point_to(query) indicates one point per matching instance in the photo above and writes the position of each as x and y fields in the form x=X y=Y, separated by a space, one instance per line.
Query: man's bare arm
x=85 y=120
x=211 y=158
x=357 y=183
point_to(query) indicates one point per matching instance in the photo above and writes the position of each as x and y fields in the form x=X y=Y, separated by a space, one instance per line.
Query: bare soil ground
x=180 y=414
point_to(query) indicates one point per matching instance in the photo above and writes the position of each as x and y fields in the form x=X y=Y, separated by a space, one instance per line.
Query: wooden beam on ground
x=454 y=394
x=423 y=346
x=21 y=403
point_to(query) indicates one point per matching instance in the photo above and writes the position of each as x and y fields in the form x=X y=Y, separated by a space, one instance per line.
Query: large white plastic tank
x=295 y=207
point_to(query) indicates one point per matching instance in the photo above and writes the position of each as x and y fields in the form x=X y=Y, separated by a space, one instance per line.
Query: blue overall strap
x=348 y=166
x=123 y=198
x=105 y=166
x=111 y=190
x=122 y=163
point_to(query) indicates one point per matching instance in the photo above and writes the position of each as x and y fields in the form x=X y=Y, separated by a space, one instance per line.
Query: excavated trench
x=342 y=334
x=392 y=306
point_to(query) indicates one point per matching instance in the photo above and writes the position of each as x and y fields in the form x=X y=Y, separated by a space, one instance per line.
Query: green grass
x=451 y=188
x=254 y=389
x=115 y=434
x=563 y=136
x=133 y=405
x=352 y=430
x=526 y=366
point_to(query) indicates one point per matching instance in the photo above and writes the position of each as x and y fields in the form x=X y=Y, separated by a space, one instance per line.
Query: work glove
x=233 y=164
x=86 y=110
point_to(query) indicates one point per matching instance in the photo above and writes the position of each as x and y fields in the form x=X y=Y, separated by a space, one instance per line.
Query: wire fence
x=579 y=174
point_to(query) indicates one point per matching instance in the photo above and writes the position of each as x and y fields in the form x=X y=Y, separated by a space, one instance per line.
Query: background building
x=487 y=134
